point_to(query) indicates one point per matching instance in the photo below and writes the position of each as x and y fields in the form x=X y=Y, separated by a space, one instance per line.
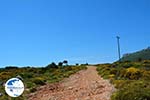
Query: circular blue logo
x=14 y=87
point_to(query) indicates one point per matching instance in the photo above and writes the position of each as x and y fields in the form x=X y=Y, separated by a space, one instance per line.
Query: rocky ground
x=84 y=85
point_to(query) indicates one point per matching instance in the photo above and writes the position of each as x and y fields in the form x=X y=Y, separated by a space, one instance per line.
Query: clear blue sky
x=38 y=32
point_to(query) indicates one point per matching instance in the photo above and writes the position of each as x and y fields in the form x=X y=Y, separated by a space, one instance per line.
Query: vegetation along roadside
x=34 y=77
x=131 y=79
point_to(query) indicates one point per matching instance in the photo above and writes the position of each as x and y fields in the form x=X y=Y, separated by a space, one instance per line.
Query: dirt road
x=84 y=85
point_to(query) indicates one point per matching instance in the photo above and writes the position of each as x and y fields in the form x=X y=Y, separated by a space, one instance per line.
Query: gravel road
x=84 y=85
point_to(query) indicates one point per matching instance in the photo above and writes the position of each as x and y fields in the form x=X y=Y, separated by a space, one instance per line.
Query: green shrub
x=27 y=75
x=39 y=81
x=146 y=61
x=122 y=73
x=137 y=90
x=146 y=75
x=111 y=76
x=33 y=90
x=113 y=71
x=132 y=73
x=68 y=68
x=146 y=66
x=119 y=83
x=126 y=65
x=104 y=71
x=30 y=84
x=5 y=75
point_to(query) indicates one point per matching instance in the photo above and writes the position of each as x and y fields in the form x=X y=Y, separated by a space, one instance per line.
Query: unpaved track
x=84 y=85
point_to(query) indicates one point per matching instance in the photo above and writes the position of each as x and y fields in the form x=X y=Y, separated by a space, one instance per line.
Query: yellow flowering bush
x=132 y=73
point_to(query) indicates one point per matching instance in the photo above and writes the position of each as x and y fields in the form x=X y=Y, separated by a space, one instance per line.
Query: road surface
x=84 y=85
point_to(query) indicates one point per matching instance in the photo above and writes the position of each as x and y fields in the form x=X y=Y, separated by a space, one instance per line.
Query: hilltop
x=137 y=56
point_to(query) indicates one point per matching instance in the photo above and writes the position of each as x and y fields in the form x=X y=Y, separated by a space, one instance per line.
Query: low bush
x=26 y=75
x=121 y=83
x=39 y=81
x=5 y=75
x=33 y=90
x=113 y=71
x=132 y=73
x=29 y=85
x=146 y=75
x=137 y=90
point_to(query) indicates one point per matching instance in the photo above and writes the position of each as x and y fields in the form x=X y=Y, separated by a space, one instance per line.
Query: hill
x=137 y=56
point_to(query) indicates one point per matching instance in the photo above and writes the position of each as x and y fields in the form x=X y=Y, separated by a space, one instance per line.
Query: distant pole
x=118 y=42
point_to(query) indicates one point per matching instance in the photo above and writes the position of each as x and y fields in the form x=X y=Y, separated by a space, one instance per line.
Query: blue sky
x=38 y=32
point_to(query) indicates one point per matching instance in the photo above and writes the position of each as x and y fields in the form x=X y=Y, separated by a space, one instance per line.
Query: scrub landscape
x=121 y=80
x=75 y=49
